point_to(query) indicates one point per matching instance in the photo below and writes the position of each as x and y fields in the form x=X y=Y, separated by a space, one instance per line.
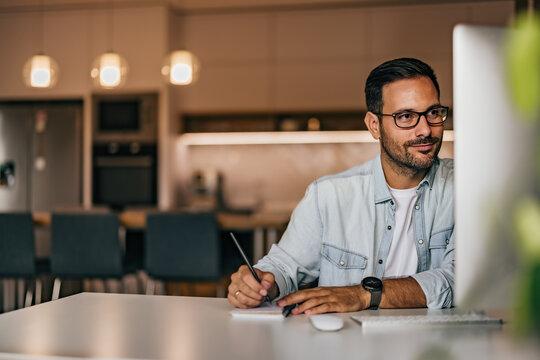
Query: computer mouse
x=326 y=322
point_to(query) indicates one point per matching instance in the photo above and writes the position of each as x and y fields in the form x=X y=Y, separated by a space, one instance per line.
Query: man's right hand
x=246 y=292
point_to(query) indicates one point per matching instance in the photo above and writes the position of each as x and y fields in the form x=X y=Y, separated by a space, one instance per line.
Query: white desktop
x=494 y=166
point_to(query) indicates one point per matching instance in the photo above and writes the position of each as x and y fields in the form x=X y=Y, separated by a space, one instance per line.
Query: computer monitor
x=494 y=166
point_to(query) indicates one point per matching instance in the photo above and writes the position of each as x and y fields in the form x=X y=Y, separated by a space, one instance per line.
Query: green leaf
x=523 y=65
x=527 y=225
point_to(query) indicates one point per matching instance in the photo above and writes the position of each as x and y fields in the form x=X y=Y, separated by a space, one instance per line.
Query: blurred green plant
x=527 y=225
x=523 y=64
x=523 y=73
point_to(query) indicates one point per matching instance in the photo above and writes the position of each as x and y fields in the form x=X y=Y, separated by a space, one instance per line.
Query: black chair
x=85 y=246
x=17 y=256
x=183 y=247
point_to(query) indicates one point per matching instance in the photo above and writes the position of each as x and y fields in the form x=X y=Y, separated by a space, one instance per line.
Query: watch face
x=372 y=283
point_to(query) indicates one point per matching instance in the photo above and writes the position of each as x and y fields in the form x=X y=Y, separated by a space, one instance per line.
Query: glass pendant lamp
x=110 y=69
x=40 y=71
x=180 y=67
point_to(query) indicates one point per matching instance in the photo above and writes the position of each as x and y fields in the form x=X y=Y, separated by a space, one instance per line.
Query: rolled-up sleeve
x=438 y=284
x=295 y=260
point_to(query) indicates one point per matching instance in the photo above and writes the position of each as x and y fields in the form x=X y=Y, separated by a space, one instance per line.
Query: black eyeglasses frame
x=420 y=114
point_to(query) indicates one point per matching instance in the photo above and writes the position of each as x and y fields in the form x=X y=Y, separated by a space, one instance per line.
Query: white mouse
x=326 y=322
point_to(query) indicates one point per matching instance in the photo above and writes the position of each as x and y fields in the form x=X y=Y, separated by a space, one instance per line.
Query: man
x=379 y=234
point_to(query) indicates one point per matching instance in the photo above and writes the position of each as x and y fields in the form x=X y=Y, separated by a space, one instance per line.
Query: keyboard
x=425 y=320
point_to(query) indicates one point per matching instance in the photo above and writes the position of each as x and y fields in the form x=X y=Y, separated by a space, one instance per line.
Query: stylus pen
x=287 y=309
x=266 y=298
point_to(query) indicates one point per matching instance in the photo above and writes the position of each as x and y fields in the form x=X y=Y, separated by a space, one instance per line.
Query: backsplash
x=273 y=176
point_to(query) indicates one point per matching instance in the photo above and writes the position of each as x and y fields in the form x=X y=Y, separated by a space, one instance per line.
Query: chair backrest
x=85 y=245
x=183 y=246
x=17 y=251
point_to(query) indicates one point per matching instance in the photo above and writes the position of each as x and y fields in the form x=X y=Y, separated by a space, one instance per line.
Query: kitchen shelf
x=273 y=121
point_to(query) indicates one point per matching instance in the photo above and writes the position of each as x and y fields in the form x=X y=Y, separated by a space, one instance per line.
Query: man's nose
x=422 y=128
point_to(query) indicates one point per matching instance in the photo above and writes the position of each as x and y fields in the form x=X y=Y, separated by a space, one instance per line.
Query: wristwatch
x=374 y=286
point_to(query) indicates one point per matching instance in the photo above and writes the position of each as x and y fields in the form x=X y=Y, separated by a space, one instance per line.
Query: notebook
x=265 y=310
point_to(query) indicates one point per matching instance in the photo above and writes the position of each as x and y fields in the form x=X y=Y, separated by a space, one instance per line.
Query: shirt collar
x=382 y=192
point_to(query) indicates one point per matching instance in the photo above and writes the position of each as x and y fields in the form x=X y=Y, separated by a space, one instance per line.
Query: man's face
x=414 y=149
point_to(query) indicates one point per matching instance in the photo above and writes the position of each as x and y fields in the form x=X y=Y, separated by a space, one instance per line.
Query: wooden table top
x=137 y=219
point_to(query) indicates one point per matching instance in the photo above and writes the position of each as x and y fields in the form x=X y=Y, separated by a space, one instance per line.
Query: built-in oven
x=124 y=174
x=124 y=150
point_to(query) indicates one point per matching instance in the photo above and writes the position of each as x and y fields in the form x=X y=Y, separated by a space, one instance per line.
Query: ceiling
x=201 y=6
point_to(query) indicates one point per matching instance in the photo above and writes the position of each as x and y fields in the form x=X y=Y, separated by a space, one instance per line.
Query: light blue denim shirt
x=341 y=232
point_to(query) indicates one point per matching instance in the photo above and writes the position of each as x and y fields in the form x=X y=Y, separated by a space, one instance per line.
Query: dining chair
x=183 y=247
x=85 y=246
x=17 y=259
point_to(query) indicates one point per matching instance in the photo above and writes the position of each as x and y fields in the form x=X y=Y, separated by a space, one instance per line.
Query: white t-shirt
x=402 y=258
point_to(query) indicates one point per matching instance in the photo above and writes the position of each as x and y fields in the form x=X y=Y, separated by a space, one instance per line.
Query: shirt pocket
x=340 y=267
x=437 y=247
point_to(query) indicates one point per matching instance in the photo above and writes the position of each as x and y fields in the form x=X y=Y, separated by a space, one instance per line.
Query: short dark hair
x=393 y=70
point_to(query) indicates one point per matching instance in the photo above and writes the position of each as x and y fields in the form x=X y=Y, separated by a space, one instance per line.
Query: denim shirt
x=341 y=232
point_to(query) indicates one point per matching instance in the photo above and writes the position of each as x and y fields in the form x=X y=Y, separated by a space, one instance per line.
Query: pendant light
x=180 y=67
x=109 y=70
x=40 y=71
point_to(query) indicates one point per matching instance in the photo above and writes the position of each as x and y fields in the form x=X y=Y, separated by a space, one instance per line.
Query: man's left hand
x=321 y=300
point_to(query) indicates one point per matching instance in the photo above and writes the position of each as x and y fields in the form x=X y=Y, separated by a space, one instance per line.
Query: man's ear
x=373 y=124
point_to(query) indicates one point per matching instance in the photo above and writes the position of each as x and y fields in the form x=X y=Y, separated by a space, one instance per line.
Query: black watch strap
x=375 y=299
x=374 y=286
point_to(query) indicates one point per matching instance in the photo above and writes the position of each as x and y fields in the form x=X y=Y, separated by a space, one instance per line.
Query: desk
x=159 y=327
x=263 y=224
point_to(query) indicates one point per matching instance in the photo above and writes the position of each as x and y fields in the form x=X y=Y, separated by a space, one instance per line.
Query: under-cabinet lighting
x=284 y=137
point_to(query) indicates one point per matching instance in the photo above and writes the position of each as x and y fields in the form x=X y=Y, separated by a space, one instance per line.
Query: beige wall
x=74 y=39
x=305 y=60
x=276 y=176
x=318 y=59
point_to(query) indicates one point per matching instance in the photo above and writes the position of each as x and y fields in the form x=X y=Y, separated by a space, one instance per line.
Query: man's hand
x=396 y=294
x=321 y=300
x=246 y=292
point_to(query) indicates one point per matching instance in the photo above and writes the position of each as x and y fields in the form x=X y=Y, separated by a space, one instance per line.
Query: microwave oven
x=121 y=118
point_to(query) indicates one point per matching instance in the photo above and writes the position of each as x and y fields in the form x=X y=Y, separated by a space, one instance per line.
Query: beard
x=404 y=159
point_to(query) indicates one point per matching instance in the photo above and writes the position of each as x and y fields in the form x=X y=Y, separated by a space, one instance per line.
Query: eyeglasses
x=409 y=119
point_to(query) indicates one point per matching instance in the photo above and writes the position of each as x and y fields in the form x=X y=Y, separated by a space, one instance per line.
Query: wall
x=320 y=58
x=276 y=176
x=305 y=60
x=74 y=39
